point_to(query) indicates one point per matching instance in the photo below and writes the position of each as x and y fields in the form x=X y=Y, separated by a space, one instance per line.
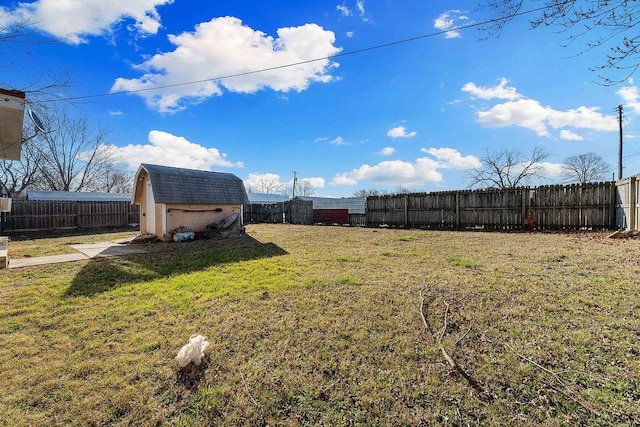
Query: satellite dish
x=36 y=121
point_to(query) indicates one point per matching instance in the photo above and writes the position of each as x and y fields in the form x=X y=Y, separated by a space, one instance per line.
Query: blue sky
x=415 y=115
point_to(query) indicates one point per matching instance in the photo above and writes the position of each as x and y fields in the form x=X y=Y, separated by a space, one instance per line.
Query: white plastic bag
x=193 y=351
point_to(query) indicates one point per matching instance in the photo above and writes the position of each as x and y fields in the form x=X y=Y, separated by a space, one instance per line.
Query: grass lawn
x=328 y=326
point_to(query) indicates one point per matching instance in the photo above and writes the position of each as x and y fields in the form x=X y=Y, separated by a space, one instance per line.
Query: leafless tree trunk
x=75 y=157
x=267 y=184
x=585 y=168
x=508 y=168
x=305 y=189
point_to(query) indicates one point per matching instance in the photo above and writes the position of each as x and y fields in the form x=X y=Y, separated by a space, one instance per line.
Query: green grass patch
x=463 y=262
x=305 y=331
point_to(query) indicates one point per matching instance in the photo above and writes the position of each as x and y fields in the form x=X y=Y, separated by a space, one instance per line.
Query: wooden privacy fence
x=628 y=203
x=61 y=215
x=566 y=207
x=292 y=212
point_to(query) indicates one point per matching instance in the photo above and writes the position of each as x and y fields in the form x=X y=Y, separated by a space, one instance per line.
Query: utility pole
x=620 y=146
x=295 y=179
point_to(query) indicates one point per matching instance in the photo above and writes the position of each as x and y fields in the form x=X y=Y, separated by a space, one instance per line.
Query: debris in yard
x=144 y=238
x=182 y=234
x=629 y=234
x=230 y=225
x=193 y=351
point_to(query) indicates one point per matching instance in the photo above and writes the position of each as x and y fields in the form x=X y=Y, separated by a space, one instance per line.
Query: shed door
x=151 y=210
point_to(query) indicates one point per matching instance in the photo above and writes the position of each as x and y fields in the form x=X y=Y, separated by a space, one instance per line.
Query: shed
x=172 y=197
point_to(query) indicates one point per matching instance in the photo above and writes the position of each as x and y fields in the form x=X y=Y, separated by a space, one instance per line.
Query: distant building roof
x=355 y=205
x=77 y=196
x=189 y=186
x=266 y=199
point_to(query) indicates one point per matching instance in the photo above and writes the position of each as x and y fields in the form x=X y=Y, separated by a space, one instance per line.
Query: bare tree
x=16 y=176
x=305 y=188
x=611 y=24
x=266 y=184
x=372 y=192
x=508 y=168
x=74 y=156
x=585 y=168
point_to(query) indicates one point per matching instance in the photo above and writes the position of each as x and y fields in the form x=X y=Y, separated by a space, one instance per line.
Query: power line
x=295 y=64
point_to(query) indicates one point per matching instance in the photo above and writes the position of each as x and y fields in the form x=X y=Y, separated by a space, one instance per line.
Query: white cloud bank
x=171 y=150
x=630 y=98
x=530 y=114
x=74 y=20
x=401 y=132
x=225 y=47
x=449 y=21
x=418 y=172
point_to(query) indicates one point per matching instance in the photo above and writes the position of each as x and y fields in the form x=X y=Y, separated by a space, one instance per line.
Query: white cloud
x=74 y=20
x=266 y=182
x=360 y=7
x=315 y=182
x=344 y=10
x=418 y=172
x=387 y=151
x=448 y=21
x=551 y=169
x=393 y=172
x=115 y=113
x=401 y=132
x=338 y=141
x=449 y=158
x=529 y=114
x=226 y=47
x=500 y=91
x=171 y=150
x=630 y=98
x=349 y=34
x=570 y=136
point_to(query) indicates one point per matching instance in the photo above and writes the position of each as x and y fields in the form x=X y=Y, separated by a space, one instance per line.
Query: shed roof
x=266 y=198
x=77 y=196
x=172 y=185
x=355 y=205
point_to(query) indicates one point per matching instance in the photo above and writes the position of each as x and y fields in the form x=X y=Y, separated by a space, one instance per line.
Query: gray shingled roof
x=266 y=199
x=188 y=186
x=355 y=205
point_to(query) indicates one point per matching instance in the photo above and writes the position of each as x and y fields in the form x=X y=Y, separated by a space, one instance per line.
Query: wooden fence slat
x=569 y=207
x=63 y=215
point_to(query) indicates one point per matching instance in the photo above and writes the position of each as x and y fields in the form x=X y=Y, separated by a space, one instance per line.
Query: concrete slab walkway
x=85 y=251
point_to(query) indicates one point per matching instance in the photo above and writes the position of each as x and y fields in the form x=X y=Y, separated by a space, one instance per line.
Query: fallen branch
x=568 y=392
x=246 y=388
x=438 y=342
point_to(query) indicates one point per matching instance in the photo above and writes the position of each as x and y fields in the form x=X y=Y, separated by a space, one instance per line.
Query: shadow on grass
x=166 y=259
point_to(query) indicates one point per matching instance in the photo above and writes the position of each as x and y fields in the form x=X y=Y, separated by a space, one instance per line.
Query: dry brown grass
x=322 y=326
